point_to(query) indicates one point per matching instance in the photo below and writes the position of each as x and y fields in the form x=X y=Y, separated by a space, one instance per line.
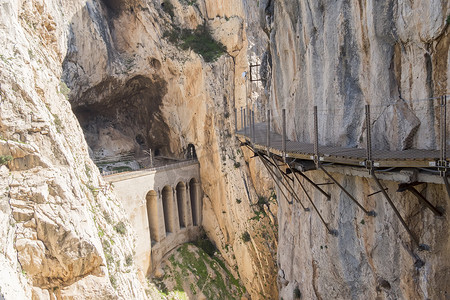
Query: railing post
x=245 y=122
x=443 y=162
x=369 y=162
x=268 y=131
x=235 y=120
x=284 y=134
x=316 y=139
x=253 y=126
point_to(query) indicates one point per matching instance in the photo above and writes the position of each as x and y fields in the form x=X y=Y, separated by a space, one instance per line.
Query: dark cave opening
x=124 y=118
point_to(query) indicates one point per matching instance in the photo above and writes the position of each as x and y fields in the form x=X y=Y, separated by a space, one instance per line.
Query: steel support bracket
x=438 y=211
x=399 y=216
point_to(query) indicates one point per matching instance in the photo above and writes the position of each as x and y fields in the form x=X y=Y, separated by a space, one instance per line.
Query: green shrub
x=5 y=159
x=120 y=228
x=297 y=293
x=199 y=40
x=206 y=245
x=245 y=237
x=448 y=19
x=63 y=89
x=129 y=260
x=168 y=8
x=237 y=164
x=113 y=280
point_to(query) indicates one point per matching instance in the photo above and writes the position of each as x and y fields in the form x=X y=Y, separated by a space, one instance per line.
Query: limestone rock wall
x=341 y=55
x=64 y=235
x=131 y=88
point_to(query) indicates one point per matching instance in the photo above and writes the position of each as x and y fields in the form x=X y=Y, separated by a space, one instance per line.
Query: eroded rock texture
x=341 y=55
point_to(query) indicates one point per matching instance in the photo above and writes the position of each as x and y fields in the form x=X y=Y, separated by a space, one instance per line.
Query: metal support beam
x=447 y=185
x=369 y=161
x=235 y=120
x=316 y=157
x=330 y=231
x=271 y=172
x=410 y=187
x=253 y=125
x=289 y=186
x=268 y=133
x=369 y=213
x=273 y=175
x=245 y=122
x=314 y=184
x=242 y=119
x=283 y=141
x=389 y=200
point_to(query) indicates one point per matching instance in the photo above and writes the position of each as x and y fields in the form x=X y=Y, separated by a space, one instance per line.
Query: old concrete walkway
x=164 y=207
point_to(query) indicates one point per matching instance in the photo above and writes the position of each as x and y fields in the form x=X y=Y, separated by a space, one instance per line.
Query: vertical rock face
x=57 y=215
x=341 y=55
x=110 y=64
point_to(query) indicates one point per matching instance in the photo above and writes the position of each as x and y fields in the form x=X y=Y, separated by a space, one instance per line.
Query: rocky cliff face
x=131 y=88
x=119 y=68
x=63 y=231
x=340 y=56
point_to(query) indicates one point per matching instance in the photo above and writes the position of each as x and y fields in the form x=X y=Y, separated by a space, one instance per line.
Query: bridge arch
x=152 y=215
x=194 y=194
x=168 y=209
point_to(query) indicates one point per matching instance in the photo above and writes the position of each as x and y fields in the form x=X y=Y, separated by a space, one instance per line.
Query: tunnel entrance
x=123 y=118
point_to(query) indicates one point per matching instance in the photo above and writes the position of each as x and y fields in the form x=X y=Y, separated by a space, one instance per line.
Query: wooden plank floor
x=350 y=156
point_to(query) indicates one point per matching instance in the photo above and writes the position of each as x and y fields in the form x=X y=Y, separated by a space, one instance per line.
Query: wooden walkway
x=416 y=158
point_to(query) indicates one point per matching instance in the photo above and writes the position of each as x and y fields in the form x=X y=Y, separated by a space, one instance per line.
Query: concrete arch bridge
x=164 y=206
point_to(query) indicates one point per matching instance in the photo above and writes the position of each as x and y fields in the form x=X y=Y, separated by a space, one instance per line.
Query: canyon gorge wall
x=341 y=55
x=110 y=62
x=112 y=70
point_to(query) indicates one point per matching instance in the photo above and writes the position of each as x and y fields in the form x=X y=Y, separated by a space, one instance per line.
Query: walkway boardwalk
x=281 y=157
x=347 y=156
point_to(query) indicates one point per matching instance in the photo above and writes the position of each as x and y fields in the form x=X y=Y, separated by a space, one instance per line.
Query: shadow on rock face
x=127 y=114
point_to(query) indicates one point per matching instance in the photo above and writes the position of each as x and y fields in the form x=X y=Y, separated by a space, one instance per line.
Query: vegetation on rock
x=199 y=40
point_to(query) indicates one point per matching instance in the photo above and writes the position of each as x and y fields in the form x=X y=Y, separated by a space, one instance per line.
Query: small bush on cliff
x=5 y=159
x=168 y=8
x=120 y=228
x=199 y=40
x=245 y=237
x=297 y=293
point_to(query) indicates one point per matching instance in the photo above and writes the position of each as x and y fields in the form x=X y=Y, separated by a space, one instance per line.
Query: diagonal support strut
x=389 y=200
x=290 y=189
x=410 y=187
x=314 y=184
x=271 y=172
x=330 y=231
x=369 y=213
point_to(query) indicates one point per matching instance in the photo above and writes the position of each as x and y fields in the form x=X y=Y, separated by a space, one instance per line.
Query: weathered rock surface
x=57 y=215
x=130 y=89
x=341 y=55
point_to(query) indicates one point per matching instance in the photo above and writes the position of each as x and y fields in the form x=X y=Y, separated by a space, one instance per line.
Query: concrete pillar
x=168 y=209
x=188 y=206
x=153 y=216
x=181 y=204
x=161 y=223
x=194 y=196
x=198 y=203
x=176 y=220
